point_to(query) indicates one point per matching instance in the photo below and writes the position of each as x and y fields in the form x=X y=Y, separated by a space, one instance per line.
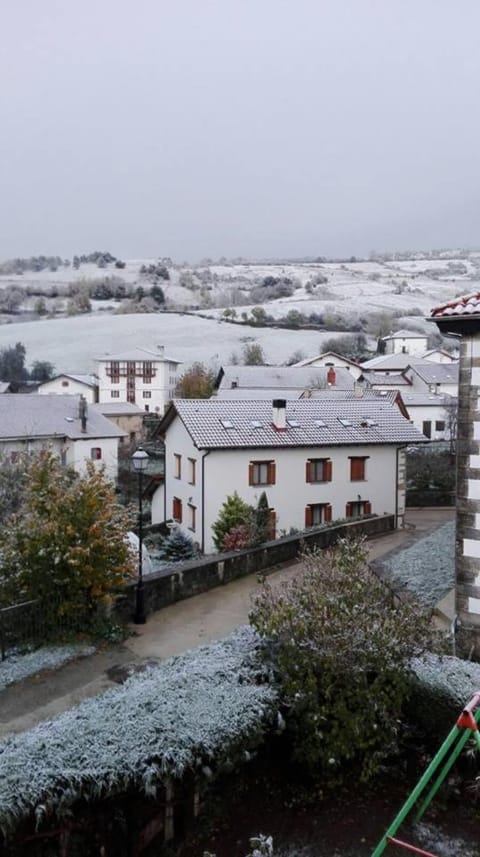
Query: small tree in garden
x=262 y=520
x=177 y=546
x=235 y=512
x=341 y=652
x=66 y=543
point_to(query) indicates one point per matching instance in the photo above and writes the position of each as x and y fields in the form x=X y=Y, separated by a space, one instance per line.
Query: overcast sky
x=261 y=128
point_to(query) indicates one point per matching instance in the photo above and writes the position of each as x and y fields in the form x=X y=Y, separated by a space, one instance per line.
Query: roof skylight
x=227 y=424
x=293 y=423
x=319 y=424
x=345 y=423
x=256 y=424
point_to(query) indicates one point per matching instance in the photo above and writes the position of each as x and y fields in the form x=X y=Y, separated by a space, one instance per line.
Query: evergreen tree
x=233 y=513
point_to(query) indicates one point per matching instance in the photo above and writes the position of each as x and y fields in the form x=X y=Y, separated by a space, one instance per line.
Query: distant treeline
x=35 y=264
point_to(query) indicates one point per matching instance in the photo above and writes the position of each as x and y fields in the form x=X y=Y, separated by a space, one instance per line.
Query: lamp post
x=140 y=464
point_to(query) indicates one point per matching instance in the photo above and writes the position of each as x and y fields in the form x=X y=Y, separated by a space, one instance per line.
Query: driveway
x=171 y=631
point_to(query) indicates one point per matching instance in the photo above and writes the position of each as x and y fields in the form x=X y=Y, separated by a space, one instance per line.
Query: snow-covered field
x=406 y=290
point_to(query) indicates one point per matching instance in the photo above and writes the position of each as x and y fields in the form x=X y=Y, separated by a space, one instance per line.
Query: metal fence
x=30 y=623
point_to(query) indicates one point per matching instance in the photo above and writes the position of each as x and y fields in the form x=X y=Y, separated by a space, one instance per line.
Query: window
x=13 y=456
x=147 y=372
x=317 y=513
x=318 y=470
x=177 y=509
x=177 y=466
x=191 y=470
x=96 y=453
x=114 y=394
x=63 y=457
x=114 y=371
x=427 y=428
x=261 y=473
x=65 y=383
x=192 y=514
x=358 y=507
x=439 y=425
x=147 y=394
x=358 y=469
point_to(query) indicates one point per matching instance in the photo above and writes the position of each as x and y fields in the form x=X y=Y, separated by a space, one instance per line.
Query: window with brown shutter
x=358 y=507
x=192 y=466
x=261 y=473
x=348 y=510
x=177 y=466
x=308 y=516
x=177 y=509
x=317 y=514
x=318 y=470
x=327 y=513
x=192 y=516
x=367 y=508
x=358 y=469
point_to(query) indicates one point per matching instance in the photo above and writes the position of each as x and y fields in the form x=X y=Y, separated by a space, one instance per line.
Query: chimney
x=331 y=376
x=279 y=416
x=161 y=350
x=82 y=412
x=358 y=390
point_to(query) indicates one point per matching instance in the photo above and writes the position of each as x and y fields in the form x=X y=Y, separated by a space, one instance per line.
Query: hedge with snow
x=194 y=712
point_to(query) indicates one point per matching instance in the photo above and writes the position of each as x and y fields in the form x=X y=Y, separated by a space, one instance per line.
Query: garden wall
x=190 y=578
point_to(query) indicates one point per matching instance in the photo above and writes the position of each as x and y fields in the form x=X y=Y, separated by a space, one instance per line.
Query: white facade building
x=330 y=358
x=406 y=342
x=145 y=378
x=316 y=460
x=77 y=434
x=73 y=385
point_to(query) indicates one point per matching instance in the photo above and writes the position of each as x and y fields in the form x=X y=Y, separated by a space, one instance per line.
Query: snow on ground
x=20 y=666
x=354 y=290
x=427 y=567
x=72 y=344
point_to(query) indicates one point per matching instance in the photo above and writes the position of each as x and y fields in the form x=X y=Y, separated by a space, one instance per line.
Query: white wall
x=156 y=394
x=406 y=345
x=67 y=386
x=75 y=453
x=338 y=363
x=226 y=471
x=429 y=413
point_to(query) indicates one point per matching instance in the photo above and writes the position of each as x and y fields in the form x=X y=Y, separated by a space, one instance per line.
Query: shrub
x=341 y=652
x=177 y=546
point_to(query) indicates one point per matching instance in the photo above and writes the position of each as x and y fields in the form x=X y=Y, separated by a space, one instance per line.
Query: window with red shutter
x=357 y=469
x=367 y=508
x=327 y=513
x=348 y=510
x=177 y=509
x=308 y=516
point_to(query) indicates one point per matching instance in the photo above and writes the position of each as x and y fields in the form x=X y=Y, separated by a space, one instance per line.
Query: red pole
x=412 y=848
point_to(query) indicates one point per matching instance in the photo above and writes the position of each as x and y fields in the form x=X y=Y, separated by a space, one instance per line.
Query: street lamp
x=140 y=464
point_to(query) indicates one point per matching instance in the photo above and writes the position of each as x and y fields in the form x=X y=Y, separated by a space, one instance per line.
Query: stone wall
x=190 y=578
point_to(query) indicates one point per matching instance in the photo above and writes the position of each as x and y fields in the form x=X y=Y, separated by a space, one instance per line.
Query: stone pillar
x=467 y=602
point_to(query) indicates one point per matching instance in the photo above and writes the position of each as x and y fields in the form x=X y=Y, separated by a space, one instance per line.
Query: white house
x=330 y=358
x=63 y=424
x=431 y=413
x=145 y=378
x=438 y=378
x=73 y=385
x=405 y=342
x=317 y=460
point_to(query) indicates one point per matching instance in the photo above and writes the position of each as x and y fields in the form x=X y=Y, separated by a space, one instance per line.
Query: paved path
x=168 y=632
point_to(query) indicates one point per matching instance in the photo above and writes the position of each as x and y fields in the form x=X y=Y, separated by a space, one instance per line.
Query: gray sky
x=198 y=128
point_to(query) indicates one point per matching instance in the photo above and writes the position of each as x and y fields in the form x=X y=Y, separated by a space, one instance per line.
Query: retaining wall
x=190 y=578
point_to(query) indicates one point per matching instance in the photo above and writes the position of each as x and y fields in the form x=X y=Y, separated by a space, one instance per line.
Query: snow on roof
x=384 y=362
x=463 y=306
x=392 y=379
x=325 y=354
x=283 y=377
x=88 y=380
x=138 y=355
x=23 y=416
x=405 y=334
x=427 y=399
x=436 y=373
x=317 y=423
x=117 y=408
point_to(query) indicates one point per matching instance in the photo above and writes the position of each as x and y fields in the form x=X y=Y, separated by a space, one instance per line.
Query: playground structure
x=466 y=727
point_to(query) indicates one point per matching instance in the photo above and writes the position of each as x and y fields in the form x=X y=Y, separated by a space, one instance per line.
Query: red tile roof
x=464 y=306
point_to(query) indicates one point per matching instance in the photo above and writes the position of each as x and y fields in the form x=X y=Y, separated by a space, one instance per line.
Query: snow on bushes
x=193 y=712
x=440 y=688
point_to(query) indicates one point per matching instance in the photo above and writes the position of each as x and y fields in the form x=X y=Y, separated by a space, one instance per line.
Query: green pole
x=413 y=797
x=463 y=738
